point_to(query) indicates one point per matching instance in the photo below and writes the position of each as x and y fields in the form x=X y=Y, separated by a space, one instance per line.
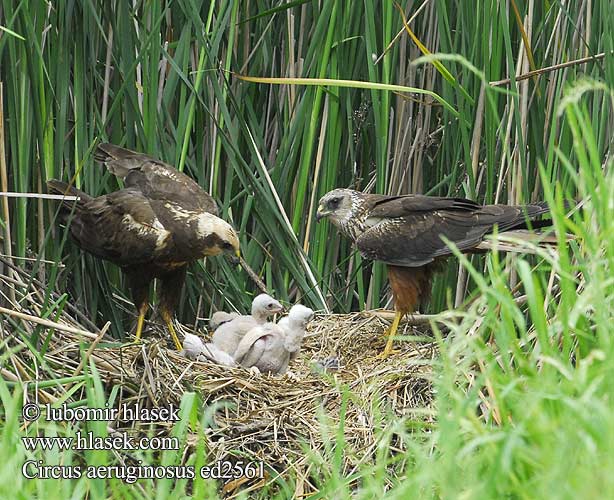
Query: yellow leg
x=168 y=319
x=391 y=333
x=140 y=321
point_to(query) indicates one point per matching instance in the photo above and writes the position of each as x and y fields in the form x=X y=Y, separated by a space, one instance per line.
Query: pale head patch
x=208 y=224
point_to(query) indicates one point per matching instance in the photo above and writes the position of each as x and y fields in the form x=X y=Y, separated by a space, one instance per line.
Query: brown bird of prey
x=405 y=233
x=153 y=228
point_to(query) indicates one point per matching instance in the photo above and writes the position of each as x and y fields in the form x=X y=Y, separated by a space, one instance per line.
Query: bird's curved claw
x=254 y=372
x=386 y=353
x=388 y=350
x=135 y=341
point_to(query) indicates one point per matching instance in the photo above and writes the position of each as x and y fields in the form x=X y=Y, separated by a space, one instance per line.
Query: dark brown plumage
x=155 y=179
x=152 y=229
x=405 y=233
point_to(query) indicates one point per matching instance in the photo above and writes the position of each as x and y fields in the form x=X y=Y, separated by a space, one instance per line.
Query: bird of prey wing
x=406 y=231
x=398 y=206
x=121 y=226
x=154 y=178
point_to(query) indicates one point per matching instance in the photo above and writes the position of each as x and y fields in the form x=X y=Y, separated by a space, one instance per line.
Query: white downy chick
x=270 y=347
x=294 y=326
x=195 y=349
x=215 y=354
x=263 y=348
x=192 y=346
x=218 y=318
x=228 y=335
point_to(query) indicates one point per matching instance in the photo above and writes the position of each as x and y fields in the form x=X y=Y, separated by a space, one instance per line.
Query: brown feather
x=411 y=286
x=153 y=228
x=154 y=178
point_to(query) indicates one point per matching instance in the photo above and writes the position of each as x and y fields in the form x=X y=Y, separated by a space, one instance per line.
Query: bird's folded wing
x=121 y=227
x=399 y=206
x=121 y=161
x=155 y=179
x=250 y=350
x=162 y=182
x=415 y=239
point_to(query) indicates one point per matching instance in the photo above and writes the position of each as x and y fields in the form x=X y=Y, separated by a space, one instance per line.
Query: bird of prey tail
x=405 y=232
x=153 y=228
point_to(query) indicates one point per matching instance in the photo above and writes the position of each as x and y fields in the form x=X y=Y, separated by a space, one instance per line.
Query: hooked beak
x=321 y=213
x=236 y=258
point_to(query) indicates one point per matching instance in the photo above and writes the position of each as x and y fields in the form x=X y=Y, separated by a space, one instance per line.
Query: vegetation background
x=161 y=77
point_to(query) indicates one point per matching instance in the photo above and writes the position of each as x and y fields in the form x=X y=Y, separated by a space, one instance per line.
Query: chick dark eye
x=227 y=246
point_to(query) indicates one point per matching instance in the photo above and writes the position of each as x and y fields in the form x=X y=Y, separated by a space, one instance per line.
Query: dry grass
x=268 y=418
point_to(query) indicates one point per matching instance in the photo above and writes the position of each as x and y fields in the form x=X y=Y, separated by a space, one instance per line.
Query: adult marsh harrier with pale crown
x=153 y=228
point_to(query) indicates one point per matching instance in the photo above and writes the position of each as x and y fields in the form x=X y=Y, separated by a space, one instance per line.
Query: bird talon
x=386 y=353
x=133 y=342
x=168 y=319
x=254 y=372
x=390 y=334
x=292 y=376
x=134 y=227
x=406 y=233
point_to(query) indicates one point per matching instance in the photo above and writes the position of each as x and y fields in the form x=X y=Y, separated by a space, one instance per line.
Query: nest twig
x=269 y=418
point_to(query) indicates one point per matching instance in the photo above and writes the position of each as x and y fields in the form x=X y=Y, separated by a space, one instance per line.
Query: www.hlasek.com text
x=88 y=441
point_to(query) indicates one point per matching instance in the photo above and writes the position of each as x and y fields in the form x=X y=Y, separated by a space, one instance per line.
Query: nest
x=272 y=419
